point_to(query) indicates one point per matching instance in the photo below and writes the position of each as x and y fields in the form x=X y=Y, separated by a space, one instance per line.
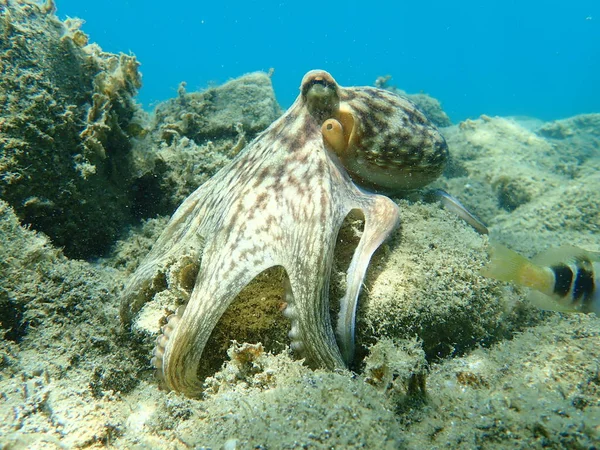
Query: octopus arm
x=214 y=291
x=381 y=218
x=311 y=332
x=182 y=236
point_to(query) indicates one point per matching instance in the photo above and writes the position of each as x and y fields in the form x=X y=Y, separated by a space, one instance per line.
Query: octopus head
x=383 y=141
x=320 y=92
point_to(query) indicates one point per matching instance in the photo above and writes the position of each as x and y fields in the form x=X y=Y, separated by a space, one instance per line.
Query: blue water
x=535 y=58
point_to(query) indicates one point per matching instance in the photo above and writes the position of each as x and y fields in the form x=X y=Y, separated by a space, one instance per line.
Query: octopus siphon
x=281 y=202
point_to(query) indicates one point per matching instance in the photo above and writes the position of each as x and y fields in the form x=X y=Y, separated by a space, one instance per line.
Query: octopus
x=281 y=202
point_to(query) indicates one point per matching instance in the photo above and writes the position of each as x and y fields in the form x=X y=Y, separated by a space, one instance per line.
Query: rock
x=529 y=188
x=192 y=136
x=428 y=105
x=66 y=113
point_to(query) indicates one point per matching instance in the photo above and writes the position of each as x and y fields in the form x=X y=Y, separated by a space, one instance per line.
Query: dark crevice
x=256 y=315
x=11 y=319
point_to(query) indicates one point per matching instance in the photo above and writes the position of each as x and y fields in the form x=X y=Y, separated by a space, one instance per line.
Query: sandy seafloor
x=451 y=359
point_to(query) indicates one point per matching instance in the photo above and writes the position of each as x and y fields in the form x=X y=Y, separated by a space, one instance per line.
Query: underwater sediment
x=451 y=359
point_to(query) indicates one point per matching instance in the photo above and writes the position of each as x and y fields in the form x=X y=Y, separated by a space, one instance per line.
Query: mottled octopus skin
x=281 y=202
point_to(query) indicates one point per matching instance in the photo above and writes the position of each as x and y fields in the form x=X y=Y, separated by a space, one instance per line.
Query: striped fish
x=563 y=279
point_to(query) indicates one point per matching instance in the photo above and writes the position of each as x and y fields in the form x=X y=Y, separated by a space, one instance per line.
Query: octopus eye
x=318 y=81
x=321 y=81
x=320 y=92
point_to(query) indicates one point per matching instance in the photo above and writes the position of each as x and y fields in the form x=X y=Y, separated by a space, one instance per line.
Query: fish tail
x=507 y=265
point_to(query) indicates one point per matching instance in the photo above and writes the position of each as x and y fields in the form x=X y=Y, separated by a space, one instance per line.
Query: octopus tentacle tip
x=281 y=202
x=161 y=341
x=156 y=362
x=294 y=332
x=289 y=312
x=297 y=346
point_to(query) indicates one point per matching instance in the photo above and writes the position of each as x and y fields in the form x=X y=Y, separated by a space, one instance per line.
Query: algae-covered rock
x=66 y=112
x=523 y=162
x=578 y=130
x=426 y=283
x=428 y=105
x=58 y=317
x=532 y=183
x=192 y=136
x=68 y=123
x=539 y=390
x=566 y=215
x=265 y=401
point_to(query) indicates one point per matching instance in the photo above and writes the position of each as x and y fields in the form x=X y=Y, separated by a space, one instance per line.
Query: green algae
x=64 y=149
